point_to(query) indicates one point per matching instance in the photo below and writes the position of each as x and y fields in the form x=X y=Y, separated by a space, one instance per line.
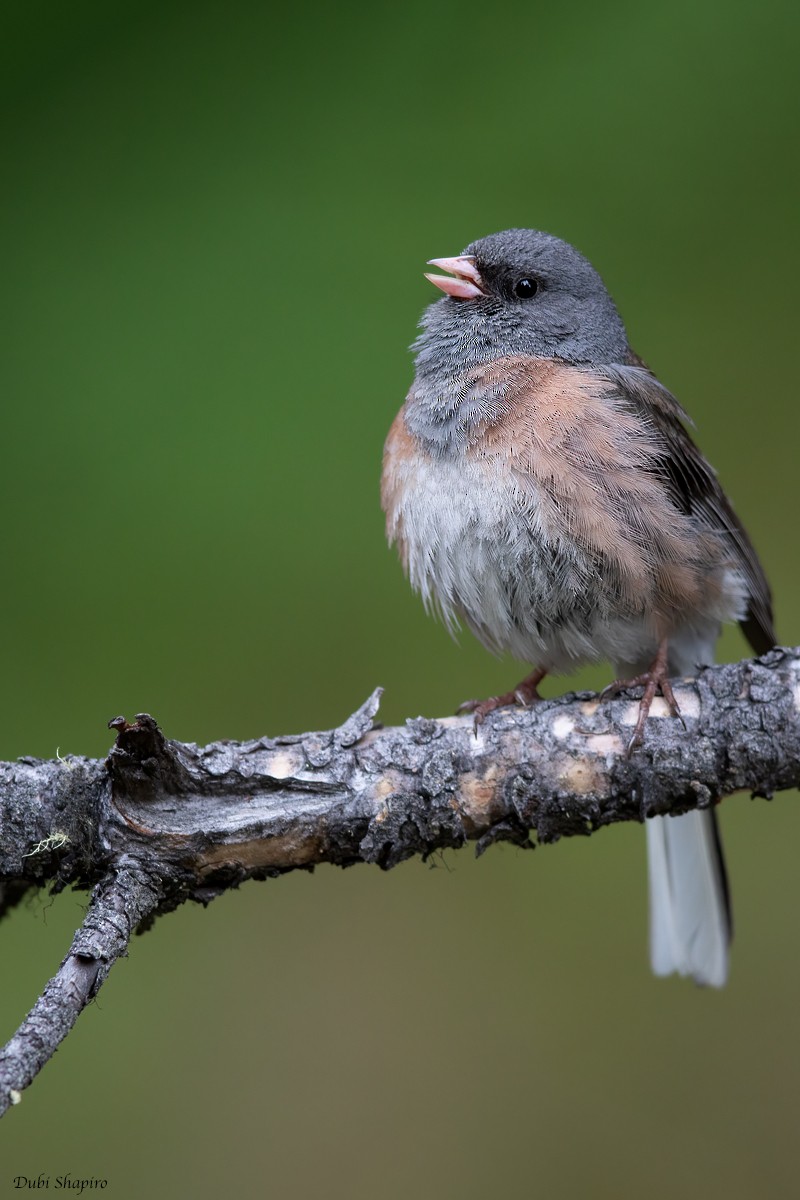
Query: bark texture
x=159 y=822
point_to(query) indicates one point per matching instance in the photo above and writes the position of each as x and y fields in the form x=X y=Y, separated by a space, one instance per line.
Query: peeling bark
x=159 y=822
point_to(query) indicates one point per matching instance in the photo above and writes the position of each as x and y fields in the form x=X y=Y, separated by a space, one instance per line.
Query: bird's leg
x=525 y=693
x=654 y=680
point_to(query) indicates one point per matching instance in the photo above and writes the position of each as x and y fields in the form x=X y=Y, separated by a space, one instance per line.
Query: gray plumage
x=576 y=320
x=542 y=487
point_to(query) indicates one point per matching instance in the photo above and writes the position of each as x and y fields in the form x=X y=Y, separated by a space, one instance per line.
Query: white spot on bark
x=283 y=764
x=563 y=726
x=604 y=744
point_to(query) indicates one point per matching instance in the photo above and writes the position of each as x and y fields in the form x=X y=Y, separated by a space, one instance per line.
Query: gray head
x=518 y=292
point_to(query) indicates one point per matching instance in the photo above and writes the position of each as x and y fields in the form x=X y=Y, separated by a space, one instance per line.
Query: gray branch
x=160 y=822
x=117 y=906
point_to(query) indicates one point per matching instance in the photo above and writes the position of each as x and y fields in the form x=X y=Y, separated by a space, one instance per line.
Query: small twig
x=117 y=906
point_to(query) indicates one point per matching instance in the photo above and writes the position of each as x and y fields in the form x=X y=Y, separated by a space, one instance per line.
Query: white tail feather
x=689 y=921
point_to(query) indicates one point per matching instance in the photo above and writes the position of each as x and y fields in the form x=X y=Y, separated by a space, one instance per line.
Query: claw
x=526 y=692
x=654 y=680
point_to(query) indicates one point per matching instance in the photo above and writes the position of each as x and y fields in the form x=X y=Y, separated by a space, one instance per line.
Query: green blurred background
x=216 y=219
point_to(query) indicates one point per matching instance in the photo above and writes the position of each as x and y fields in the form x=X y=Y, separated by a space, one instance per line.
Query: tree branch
x=159 y=822
x=118 y=904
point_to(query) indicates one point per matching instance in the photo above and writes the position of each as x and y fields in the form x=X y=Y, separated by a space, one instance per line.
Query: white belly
x=475 y=549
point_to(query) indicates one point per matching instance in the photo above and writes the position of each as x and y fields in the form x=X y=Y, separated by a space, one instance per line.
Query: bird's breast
x=472 y=540
x=526 y=497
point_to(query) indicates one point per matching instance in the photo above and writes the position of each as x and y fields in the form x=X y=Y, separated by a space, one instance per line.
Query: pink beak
x=467 y=283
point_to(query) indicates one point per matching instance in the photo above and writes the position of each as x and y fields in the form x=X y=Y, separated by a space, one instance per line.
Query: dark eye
x=525 y=288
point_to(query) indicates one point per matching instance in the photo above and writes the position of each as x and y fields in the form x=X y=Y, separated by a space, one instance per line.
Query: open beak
x=467 y=282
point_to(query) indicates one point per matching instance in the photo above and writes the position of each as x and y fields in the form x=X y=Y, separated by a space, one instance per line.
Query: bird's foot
x=525 y=693
x=654 y=680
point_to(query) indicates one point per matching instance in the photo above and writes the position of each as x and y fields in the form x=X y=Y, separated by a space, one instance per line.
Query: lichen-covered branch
x=202 y=819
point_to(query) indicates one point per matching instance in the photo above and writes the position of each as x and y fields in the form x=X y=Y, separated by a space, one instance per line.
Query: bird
x=543 y=489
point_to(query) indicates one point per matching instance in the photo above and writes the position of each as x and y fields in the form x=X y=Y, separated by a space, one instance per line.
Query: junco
x=541 y=487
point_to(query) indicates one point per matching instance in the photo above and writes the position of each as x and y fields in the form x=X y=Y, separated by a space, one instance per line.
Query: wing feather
x=695 y=489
